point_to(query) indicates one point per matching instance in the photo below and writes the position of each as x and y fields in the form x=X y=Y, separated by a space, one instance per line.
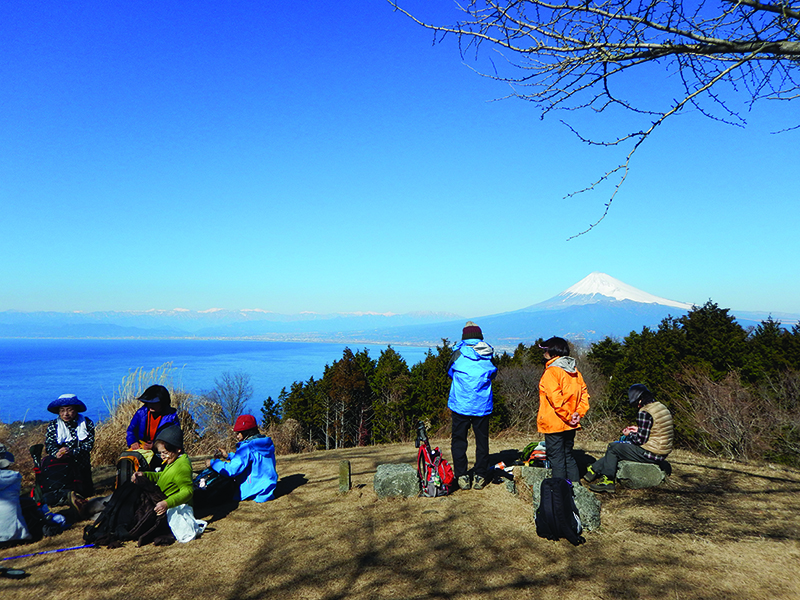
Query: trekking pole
x=49 y=551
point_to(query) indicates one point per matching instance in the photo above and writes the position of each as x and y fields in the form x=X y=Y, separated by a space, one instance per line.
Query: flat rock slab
x=396 y=481
x=638 y=476
x=528 y=483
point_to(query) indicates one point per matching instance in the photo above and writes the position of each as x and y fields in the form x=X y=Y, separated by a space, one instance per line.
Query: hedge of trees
x=735 y=392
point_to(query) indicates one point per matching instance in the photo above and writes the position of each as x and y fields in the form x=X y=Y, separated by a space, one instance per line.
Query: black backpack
x=117 y=518
x=557 y=516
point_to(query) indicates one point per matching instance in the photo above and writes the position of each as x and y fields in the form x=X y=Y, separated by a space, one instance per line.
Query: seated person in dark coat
x=69 y=441
x=155 y=415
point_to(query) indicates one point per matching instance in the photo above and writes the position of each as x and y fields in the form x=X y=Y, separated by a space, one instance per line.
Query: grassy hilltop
x=715 y=530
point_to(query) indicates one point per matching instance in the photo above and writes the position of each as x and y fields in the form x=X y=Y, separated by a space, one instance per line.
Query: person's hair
x=167 y=446
x=556 y=346
x=250 y=432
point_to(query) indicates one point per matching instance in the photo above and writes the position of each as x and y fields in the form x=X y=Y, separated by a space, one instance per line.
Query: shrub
x=724 y=418
x=288 y=437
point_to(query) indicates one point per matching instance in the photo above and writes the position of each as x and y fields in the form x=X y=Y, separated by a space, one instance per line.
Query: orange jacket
x=562 y=392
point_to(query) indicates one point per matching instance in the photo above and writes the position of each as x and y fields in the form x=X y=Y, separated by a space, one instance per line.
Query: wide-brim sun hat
x=66 y=400
x=6 y=458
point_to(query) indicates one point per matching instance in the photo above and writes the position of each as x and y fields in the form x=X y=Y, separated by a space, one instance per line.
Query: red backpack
x=435 y=473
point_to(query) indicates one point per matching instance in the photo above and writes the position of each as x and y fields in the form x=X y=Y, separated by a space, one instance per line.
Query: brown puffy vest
x=660 y=440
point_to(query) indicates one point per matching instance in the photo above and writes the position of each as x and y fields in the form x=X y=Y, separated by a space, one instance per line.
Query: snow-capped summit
x=597 y=287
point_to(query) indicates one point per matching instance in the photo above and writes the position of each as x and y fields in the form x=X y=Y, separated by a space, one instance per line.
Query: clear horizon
x=309 y=159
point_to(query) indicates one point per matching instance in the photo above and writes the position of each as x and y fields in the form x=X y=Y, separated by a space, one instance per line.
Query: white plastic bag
x=183 y=524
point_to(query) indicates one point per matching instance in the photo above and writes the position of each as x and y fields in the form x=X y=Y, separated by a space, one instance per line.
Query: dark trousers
x=559 y=453
x=458 y=444
x=616 y=452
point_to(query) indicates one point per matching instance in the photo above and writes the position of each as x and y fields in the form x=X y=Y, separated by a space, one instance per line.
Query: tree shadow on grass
x=437 y=549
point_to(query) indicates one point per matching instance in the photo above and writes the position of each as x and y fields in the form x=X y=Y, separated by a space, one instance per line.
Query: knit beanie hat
x=471 y=332
x=245 y=423
x=172 y=435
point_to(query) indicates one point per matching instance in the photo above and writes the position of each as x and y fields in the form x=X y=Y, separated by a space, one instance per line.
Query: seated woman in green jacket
x=175 y=476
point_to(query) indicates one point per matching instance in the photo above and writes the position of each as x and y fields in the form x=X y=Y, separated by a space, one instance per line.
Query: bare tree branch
x=574 y=55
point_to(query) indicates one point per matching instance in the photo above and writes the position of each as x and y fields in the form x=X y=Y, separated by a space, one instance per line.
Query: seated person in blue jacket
x=251 y=467
x=155 y=415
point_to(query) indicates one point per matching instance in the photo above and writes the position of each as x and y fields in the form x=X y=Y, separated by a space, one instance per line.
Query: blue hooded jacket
x=253 y=468
x=472 y=371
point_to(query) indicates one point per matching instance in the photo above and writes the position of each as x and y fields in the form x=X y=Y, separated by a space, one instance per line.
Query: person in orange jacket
x=563 y=401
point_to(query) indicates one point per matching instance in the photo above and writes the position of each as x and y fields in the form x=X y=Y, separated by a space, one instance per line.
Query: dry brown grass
x=716 y=530
x=110 y=433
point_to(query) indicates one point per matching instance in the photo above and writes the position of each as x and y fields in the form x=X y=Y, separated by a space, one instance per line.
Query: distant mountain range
x=595 y=307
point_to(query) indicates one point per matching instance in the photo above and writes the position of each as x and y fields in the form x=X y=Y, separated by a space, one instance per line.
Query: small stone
x=344 y=476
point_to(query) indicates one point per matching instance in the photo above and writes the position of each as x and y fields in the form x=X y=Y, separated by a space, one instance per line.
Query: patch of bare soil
x=715 y=530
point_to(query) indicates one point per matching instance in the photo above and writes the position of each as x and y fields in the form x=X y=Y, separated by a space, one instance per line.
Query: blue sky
x=314 y=157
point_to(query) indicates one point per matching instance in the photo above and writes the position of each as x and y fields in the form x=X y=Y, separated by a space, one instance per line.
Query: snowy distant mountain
x=595 y=307
x=214 y=322
x=599 y=287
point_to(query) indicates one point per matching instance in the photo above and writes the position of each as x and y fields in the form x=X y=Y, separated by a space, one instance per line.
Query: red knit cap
x=245 y=423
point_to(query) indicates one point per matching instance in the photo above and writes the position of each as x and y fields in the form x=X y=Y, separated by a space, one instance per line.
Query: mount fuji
x=597 y=306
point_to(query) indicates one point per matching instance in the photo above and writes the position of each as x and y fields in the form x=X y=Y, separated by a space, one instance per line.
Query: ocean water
x=35 y=372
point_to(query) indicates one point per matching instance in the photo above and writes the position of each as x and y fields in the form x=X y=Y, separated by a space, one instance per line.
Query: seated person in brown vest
x=649 y=441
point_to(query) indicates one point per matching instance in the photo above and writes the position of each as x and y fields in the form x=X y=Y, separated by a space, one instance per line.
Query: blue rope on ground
x=49 y=552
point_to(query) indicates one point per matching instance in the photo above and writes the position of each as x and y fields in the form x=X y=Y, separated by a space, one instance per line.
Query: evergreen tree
x=391 y=386
x=270 y=412
x=430 y=386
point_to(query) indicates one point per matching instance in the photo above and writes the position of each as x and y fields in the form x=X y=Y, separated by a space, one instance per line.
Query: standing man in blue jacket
x=472 y=370
x=252 y=465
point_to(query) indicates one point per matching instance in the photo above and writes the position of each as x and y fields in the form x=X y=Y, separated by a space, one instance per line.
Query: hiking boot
x=479 y=483
x=464 y=482
x=604 y=485
x=590 y=475
x=79 y=503
x=36 y=454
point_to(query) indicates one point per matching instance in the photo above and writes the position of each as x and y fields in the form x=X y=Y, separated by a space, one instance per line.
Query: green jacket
x=175 y=481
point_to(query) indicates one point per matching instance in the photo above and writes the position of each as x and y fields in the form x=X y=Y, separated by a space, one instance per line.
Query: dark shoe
x=479 y=483
x=604 y=485
x=590 y=475
x=36 y=454
x=464 y=482
x=79 y=503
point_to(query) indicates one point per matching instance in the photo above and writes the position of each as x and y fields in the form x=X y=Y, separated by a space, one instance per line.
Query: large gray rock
x=396 y=480
x=528 y=482
x=588 y=507
x=639 y=475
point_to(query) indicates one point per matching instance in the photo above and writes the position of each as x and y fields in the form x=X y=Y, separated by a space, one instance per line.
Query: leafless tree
x=579 y=54
x=231 y=393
